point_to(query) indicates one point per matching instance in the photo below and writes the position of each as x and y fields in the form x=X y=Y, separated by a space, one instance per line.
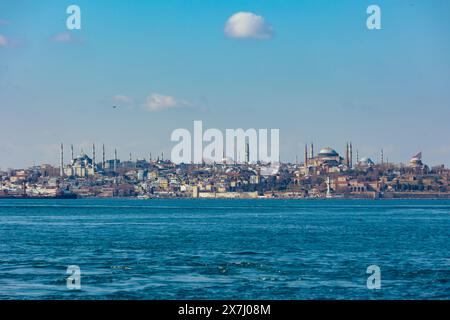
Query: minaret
x=130 y=157
x=357 y=156
x=312 y=151
x=61 y=169
x=247 y=153
x=382 y=157
x=347 y=156
x=351 y=155
x=103 y=157
x=306 y=154
x=71 y=151
x=115 y=160
x=93 y=154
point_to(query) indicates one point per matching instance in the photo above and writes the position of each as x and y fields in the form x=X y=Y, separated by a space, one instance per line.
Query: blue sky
x=320 y=76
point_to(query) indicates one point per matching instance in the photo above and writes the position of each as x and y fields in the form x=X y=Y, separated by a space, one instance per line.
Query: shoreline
x=231 y=199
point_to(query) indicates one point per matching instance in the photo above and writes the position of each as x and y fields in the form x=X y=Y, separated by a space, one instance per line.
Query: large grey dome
x=328 y=152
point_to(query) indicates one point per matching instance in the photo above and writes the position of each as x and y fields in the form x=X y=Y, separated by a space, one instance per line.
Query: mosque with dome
x=327 y=160
x=82 y=166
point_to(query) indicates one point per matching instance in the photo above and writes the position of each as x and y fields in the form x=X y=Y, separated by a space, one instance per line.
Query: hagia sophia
x=328 y=160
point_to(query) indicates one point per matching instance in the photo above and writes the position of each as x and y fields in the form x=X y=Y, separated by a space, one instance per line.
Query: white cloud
x=3 y=41
x=248 y=25
x=157 y=102
x=120 y=98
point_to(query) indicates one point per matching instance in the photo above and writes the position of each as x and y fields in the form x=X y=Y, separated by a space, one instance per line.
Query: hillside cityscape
x=326 y=174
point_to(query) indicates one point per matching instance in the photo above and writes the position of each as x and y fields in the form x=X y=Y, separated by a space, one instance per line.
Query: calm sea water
x=224 y=249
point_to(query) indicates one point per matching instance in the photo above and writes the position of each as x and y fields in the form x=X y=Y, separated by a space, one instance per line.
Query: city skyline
x=70 y=152
x=324 y=173
x=165 y=154
x=134 y=73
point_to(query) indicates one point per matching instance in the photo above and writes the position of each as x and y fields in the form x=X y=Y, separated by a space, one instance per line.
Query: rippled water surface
x=224 y=249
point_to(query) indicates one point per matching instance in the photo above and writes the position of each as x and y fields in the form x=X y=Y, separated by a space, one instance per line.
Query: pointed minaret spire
x=93 y=154
x=247 y=153
x=351 y=155
x=347 y=156
x=103 y=157
x=115 y=160
x=71 y=151
x=306 y=154
x=61 y=169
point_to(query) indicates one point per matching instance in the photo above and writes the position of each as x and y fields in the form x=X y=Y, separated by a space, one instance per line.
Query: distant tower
x=312 y=151
x=103 y=157
x=347 y=156
x=115 y=160
x=130 y=157
x=357 y=156
x=382 y=157
x=61 y=169
x=150 y=157
x=71 y=151
x=93 y=154
x=306 y=154
x=247 y=153
x=351 y=155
